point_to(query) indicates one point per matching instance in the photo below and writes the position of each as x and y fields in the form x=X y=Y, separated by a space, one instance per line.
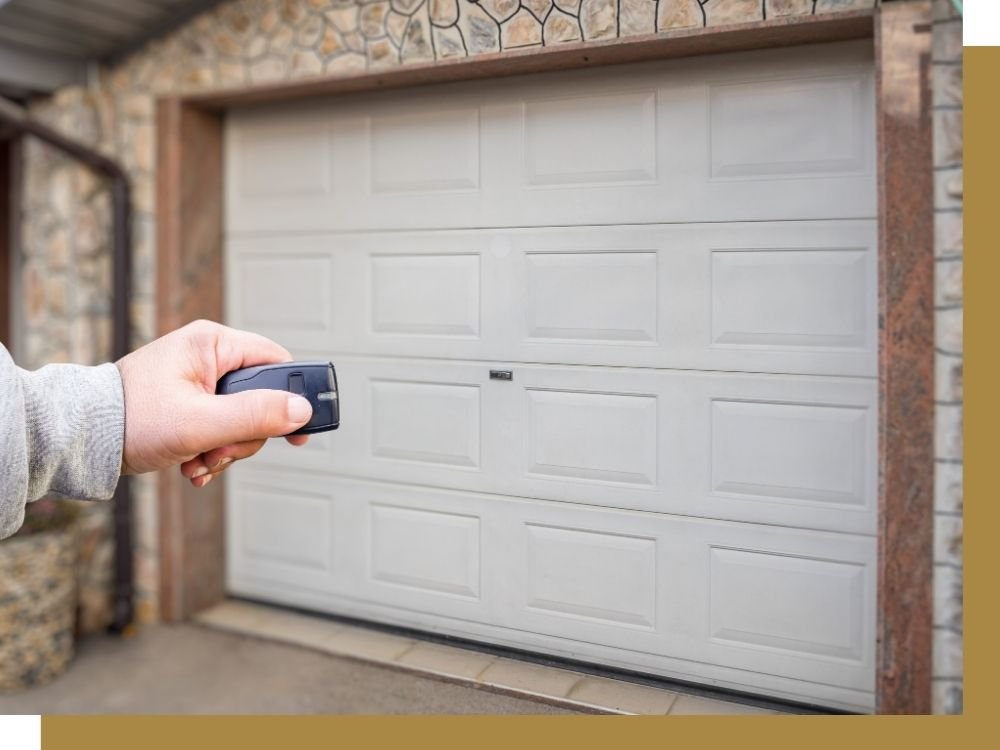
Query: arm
x=61 y=432
x=74 y=430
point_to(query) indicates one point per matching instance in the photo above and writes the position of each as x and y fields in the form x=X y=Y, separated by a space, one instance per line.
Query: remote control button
x=297 y=383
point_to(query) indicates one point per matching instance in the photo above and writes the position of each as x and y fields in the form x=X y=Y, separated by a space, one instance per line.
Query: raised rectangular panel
x=426 y=294
x=285 y=292
x=813 y=607
x=597 y=139
x=595 y=575
x=793 y=128
x=592 y=437
x=285 y=159
x=425 y=549
x=425 y=151
x=435 y=423
x=791 y=298
x=285 y=526
x=595 y=296
x=790 y=451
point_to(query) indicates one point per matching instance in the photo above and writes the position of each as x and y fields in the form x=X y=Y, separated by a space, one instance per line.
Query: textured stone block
x=636 y=17
x=948 y=188
x=946 y=82
x=443 y=12
x=332 y=43
x=780 y=8
x=416 y=45
x=373 y=19
x=948 y=378
x=500 y=10
x=348 y=62
x=948 y=432
x=947 y=697
x=944 y=10
x=948 y=597
x=395 y=26
x=310 y=32
x=725 y=12
x=948 y=281
x=947 y=137
x=561 y=27
x=268 y=70
x=948 y=653
x=679 y=14
x=948 y=234
x=948 y=540
x=948 y=330
x=539 y=8
x=449 y=43
x=599 y=19
x=479 y=30
x=523 y=30
x=832 y=6
x=947 y=42
x=345 y=18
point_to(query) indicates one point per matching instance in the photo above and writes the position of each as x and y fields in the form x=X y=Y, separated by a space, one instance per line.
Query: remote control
x=316 y=381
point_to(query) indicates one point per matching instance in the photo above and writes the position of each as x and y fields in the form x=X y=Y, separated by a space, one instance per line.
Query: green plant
x=48 y=515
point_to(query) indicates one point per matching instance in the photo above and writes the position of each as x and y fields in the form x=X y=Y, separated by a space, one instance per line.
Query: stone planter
x=37 y=607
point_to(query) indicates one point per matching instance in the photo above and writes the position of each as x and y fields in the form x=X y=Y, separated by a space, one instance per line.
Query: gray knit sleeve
x=62 y=429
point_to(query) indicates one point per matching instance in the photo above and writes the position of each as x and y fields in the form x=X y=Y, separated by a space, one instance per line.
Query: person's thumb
x=250 y=415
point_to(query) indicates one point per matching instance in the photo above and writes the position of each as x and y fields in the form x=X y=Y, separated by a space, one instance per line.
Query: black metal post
x=121 y=206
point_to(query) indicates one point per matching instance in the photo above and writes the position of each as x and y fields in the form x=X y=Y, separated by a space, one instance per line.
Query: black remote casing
x=315 y=381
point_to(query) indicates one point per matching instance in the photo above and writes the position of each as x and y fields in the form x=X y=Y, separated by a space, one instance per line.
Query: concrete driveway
x=190 y=669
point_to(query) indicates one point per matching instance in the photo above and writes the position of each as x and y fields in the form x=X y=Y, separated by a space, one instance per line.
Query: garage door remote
x=316 y=381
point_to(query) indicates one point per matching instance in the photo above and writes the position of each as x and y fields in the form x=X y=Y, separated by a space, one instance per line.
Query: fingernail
x=222 y=462
x=199 y=472
x=299 y=410
x=206 y=480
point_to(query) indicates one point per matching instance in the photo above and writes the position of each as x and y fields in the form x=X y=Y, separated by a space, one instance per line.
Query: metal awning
x=45 y=44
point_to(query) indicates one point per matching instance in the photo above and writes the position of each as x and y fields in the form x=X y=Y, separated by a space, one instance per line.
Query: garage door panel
x=285 y=295
x=711 y=591
x=429 y=151
x=780 y=297
x=773 y=141
x=801 y=126
x=402 y=305
x=771 y=297
x=789 y=602
x=592 y=296
x=283 y=532
x=766 y=449
x=593 y=575
x=280 y=167
x=423 y=549
x=559 y=135
x=795 y=298
x=738 y=609
x=813 y=608
x=780 y=450
x=588 y=436
x=426 y=422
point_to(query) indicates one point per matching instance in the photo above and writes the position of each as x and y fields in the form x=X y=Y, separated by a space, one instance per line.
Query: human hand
x=172 y=415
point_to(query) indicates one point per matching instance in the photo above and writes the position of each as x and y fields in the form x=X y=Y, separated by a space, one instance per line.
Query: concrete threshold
x=502 y=674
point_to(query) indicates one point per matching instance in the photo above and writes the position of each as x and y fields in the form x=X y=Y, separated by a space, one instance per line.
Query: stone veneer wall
x=946 y=66
x=65 y=249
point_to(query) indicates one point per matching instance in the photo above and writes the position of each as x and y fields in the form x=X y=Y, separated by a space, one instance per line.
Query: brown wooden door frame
x=190 y=285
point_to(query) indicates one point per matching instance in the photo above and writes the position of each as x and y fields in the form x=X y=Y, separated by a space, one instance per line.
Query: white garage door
x=676 y=265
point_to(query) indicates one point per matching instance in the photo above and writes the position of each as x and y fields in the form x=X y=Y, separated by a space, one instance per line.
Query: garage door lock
x=501 y=374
